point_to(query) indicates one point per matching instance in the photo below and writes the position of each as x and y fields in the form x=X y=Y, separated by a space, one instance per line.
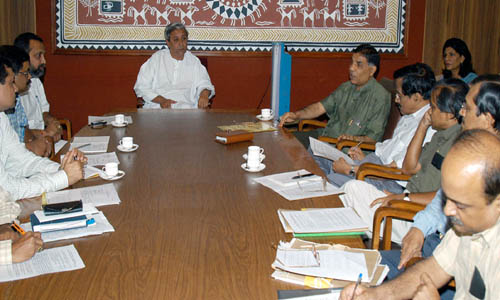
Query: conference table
x=192 y=224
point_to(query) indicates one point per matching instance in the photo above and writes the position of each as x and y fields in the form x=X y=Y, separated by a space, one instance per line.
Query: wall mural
x=232 y=25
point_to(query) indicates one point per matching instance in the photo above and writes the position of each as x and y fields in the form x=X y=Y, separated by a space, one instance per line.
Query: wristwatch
x=407 y=196
x=351 y=172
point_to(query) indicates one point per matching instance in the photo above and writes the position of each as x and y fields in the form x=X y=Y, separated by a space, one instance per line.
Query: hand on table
x=411 y=246
x=6 y=233
x=340 y=166
x=26 y=246
x=288 y=117
x=164 y=103
x=29 y=205
x=426 y=290
x=203 y=102
x=72 y=164
x=361 y=292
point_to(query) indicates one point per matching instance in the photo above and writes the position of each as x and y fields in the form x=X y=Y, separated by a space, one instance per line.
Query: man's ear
x=490 y=119
x=417 y=97
x=372 y=69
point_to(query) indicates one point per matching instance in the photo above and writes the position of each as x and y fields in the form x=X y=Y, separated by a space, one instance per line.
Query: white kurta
x=181 y=81
x=22 y=173
x=35 y=104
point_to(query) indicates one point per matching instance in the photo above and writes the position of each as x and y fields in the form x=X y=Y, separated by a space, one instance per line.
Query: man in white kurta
x=174 y=78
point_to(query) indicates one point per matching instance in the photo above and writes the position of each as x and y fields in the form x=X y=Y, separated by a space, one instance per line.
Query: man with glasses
x=34 y=141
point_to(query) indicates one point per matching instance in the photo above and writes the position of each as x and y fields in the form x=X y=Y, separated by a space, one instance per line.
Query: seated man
x=34 y=101
x=358 y=108
x=414 y=84
x=173 y=77
x=430 y=224
x=469 y=251
x=38 y=144
x=14 y=248
x=425 y=163
x=22 y=173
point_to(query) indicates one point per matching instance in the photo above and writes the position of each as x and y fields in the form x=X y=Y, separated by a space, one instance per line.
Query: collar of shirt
x=448 y=132
x=489 y=236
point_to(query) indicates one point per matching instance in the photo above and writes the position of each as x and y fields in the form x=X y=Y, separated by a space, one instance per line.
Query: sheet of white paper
x=323 y=220
x=108 y=119
x=100 y=159
x=48 y=261
x=58 y=146
x=326 y=150
x=295 y=257
x=101 y=226
x=301 y=189
x=89 y=171
x=97 y=195
x=334 y=264
x=97 y=143
x=287 y=179
x=87 y=209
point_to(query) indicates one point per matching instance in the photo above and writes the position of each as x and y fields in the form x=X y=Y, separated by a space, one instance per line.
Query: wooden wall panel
x=476 y=22
x=16 y=16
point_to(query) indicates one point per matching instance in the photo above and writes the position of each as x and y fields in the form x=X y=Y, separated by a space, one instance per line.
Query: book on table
x=58 y=224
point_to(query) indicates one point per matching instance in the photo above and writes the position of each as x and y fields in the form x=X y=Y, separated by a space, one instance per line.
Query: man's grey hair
x=172 y=27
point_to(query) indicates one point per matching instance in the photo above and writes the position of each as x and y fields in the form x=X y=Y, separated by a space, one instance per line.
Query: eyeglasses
x=26 y=74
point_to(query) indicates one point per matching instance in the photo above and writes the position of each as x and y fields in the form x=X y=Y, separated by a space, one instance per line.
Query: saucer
x=116 y=177
x=122 y=149
x=262 y=157
x=118 y=124
x=260 y=117
x=260 y=168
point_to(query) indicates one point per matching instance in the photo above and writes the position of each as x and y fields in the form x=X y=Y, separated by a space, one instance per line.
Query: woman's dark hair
x=461 y=48
x=451 y=97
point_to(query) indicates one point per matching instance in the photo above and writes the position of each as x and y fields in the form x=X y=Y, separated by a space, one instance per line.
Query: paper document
x=101 y=226
x=91 y=172
x=97 y=195
x=90 y=144
x=48 y=261
x=311 y=294
x=323 y=220
x=295 y=189
x=100 y=159
x=108 y=119
x=326 y=150
x=58 y=146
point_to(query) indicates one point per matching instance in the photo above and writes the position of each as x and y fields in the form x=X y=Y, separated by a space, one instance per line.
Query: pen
x=301 y=176
x=17 y=228
x=358 y=144
x=355 y=286
x=81 y=146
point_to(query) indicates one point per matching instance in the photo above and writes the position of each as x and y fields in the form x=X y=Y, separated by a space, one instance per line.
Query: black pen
x=304 y=175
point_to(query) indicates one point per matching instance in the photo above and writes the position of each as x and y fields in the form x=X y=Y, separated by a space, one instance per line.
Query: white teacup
x=127 y=142
x=266 y=112
x=119 y=119
x=254 y=157
x=111 y=169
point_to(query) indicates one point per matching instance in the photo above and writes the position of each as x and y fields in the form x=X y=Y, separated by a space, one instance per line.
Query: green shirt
x=428 y=179
x=362 y=112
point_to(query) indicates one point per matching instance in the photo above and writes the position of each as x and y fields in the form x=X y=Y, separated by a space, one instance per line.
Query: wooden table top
x=192 y=224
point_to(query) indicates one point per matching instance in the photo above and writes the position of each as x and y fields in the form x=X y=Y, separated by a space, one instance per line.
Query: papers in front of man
x=48 y=261
x=107 y=119
x=100 y=159
x=249 y=126
x=326 y=150
x=97 y=195
x=326 y=266
x=90 y=144
x=58 y=145
x=101 y=225
x=320 y=220
x=294 y=186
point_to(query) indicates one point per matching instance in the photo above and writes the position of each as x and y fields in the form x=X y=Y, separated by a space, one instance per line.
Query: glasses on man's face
x=26 y=74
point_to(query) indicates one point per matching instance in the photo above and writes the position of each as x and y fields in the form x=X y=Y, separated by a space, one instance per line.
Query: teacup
x=119 y=119
x=111 y=169
x=254 y=157
x=266 y=113
x=127 y=142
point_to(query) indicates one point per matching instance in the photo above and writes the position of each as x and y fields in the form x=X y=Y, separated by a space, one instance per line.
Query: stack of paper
x=90 y=144
x=97 y=195
x=326 y=150
x=321 y=220
x=325 y=266
x=292 y=186
x=108 y=119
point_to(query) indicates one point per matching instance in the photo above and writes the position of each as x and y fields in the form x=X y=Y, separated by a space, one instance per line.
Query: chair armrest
x=350 y=143
x=387 y=213
x=408 y=205
x=315 y=123
x=369 y=169
x=329 y=140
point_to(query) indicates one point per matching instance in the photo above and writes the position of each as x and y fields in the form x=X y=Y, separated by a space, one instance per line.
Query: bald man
x=469 y=251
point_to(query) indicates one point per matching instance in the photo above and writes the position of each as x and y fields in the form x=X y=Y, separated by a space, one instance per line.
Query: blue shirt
x=18 y=119
x=432 y=218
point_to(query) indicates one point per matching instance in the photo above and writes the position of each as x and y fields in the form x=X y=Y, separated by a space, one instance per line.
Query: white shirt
x=22 y=173
x=9 y=210
x=394 y=149
x=35 y=104
x=179 y=80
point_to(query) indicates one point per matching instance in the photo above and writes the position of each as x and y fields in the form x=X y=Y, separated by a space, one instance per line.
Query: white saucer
x=122 y=149
x=260 y=117
x=118 y=124
x=116 y=177
x=262 y=157
x=260 y=168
